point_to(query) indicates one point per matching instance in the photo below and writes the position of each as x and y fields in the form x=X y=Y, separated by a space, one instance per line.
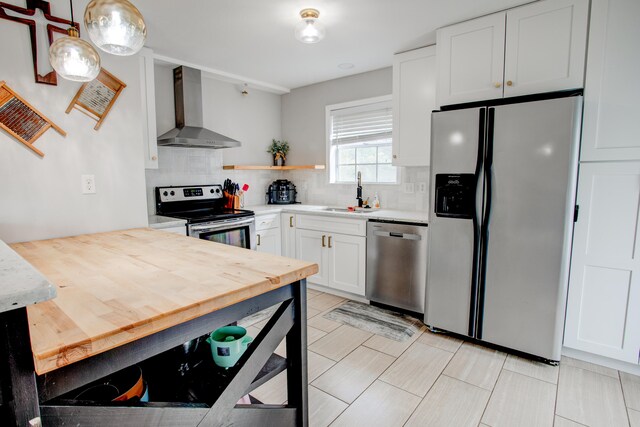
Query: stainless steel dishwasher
x=397 y=264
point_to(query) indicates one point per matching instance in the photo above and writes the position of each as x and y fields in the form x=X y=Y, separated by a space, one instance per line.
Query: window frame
x=358 y=103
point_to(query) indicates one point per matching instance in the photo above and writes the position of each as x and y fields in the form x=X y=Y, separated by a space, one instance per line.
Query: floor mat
x=396 y=326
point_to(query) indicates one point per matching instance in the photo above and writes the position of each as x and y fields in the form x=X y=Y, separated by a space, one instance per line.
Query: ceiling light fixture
x=310 y=30
x=73 y=58
x=115 y=26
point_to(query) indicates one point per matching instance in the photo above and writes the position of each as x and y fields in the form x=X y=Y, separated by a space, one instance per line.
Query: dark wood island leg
x=297 y=384
x=19 y=393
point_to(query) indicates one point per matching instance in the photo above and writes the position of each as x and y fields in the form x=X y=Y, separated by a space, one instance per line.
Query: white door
x=545 y=47
x=288 y=227
x=311 y=246
x=603 y=307
x=414 y=98
x=347 y=263
x=611 y=127
x=269 y=241
x=471 y=60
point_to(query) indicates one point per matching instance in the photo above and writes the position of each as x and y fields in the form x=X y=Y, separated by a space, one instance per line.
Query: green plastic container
x=228 y=344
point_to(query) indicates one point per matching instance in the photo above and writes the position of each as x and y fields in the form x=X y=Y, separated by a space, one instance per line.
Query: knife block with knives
x=231 y=189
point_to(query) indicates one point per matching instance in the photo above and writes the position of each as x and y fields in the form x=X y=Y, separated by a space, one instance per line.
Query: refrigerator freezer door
x=533 y=179
x=457 y=139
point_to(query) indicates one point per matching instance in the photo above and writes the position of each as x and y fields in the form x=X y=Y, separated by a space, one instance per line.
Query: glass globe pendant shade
x=115 y=26
x=310 y=30
x=73 y=58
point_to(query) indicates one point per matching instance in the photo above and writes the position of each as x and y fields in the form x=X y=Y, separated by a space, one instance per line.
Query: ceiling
x=253 y=39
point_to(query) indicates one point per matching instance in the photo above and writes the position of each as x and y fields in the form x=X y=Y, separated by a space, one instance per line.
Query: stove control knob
x=173 y=193
x=165 y=193
x=218 y=190
x=211 y=191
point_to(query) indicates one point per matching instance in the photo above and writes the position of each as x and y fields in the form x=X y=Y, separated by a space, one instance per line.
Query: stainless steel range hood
x=189 y=131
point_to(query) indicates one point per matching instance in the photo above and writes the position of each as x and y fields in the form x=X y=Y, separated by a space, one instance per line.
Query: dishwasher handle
x=406 y=236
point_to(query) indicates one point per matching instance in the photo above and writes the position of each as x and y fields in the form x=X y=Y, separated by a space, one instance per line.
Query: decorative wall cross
x=42 y=25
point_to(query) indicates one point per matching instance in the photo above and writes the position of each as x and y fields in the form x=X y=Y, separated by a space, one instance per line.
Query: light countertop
x=382 y=214
x=160 y=222
x=21 y=284
x=100 y=278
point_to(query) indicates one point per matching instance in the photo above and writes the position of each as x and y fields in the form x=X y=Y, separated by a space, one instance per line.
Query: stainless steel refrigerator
x=502 y=196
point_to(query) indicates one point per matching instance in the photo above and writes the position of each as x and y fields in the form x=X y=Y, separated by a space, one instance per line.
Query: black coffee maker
x=282 y=192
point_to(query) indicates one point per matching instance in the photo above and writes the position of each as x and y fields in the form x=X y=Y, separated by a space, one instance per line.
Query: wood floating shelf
x=272 y=168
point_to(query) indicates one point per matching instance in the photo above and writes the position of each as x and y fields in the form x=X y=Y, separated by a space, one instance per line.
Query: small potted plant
x=278 y=150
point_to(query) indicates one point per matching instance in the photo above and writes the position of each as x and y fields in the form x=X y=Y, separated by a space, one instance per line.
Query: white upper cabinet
x=147 y=92
x=414 y=98
x=536 y=48
x=471 y=60
x=545 y=47
x=611 y=126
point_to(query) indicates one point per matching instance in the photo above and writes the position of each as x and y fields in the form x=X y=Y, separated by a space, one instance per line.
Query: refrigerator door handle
x=486 y=218
x=477 y=217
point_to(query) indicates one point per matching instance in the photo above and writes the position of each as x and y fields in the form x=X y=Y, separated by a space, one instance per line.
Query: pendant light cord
x=71 y=6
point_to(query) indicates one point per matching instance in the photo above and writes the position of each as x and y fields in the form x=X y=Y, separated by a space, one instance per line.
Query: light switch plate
x=421 y=187
x=88 y=184
x=409 y=188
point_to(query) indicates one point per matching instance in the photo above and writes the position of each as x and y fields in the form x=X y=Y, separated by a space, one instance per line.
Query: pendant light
x=115 y=26
x=309 y=30
x=73 y=58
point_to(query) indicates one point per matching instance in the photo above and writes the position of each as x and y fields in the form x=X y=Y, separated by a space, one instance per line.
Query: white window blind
x=360 y=141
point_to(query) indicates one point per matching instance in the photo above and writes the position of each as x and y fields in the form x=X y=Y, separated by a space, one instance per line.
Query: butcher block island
x=125 y=297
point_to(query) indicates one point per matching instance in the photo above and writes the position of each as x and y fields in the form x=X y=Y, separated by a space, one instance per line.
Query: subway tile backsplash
x=180 y=166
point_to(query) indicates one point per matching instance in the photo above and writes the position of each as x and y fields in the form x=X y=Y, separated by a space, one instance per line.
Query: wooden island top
x=117 y=287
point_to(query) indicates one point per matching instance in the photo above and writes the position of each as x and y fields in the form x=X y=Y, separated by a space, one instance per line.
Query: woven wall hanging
x=21 y=120
x=95 y=98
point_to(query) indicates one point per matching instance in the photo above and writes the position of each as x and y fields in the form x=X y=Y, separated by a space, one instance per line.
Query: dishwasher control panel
x=455 y=195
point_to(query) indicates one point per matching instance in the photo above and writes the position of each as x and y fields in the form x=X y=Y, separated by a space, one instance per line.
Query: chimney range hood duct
x=189 y=132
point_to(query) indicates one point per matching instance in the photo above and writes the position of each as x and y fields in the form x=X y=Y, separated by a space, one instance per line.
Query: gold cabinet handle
x=329 y=242
x=509 y=83
x=258 y=240
x=291 y=221
x=323 y=237
x=498 y=85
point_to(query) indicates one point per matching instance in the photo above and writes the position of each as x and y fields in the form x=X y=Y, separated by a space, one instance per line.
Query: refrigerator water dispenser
x=455 y=195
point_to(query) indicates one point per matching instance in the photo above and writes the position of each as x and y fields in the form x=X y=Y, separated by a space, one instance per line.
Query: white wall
x=253 y=120
x=304 y=126
x=41 y=197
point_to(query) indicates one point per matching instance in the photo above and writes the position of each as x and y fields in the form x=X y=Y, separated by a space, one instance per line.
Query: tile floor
x=360 y=379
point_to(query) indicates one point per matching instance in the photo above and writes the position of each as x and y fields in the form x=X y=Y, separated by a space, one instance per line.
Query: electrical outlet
x=88 y=184
x=409 y=188
x=422 y=187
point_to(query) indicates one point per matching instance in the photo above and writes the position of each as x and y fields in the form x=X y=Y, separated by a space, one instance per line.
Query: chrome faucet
x=359 y=190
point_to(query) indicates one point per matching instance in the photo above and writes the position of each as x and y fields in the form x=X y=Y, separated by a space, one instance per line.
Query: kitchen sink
x=345 y=210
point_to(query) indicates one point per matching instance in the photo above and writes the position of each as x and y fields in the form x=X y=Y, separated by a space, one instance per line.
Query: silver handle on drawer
x=258 y=240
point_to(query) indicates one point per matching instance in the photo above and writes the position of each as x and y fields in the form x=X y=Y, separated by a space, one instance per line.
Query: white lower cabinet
x=603 y=305
x=268 y=237
x=288 y=227
x=268 y=241
x=341 y=258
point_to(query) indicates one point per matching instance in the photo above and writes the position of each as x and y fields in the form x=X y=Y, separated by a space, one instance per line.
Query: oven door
x=235 y=232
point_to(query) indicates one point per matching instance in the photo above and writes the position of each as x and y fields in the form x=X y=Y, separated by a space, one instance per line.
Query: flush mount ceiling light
x=309 y=30
x=115 y=26
x=73 y=58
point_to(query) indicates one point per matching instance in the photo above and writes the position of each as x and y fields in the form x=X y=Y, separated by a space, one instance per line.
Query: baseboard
x=337 y=292
x=601 y=360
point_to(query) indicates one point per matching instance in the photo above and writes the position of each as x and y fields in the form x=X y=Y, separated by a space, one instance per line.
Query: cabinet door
x=288 y=227
x=147 y=93
x=612 y=88
x=414 y=98
x=603 y=315
x=269 y=241
x=347 y=263
x=311 y=246
x=471 y=60
x=545 y=47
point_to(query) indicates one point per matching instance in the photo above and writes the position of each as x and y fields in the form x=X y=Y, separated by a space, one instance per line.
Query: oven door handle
x=226 y=224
